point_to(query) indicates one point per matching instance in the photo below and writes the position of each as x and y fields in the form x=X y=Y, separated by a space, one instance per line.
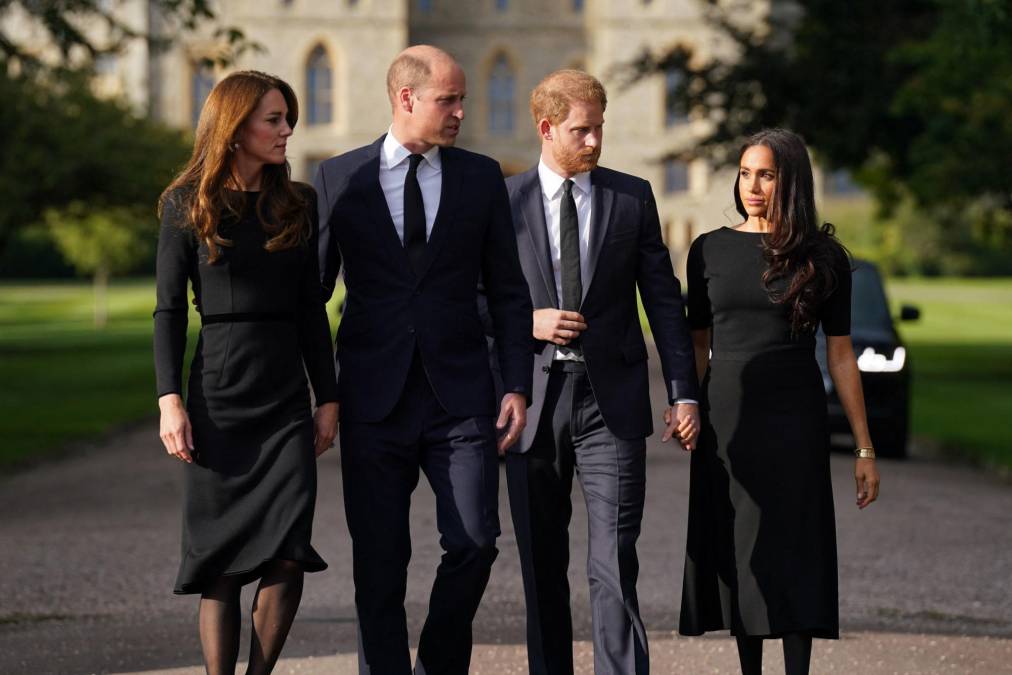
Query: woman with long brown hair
x=761 y=549
x=236 y=228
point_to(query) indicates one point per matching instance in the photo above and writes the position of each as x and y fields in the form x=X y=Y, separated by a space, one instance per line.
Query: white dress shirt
x=551 y=198
x=552 y=189
x=394 y=170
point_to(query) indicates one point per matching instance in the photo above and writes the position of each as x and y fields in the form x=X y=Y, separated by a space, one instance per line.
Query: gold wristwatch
x=864 y=453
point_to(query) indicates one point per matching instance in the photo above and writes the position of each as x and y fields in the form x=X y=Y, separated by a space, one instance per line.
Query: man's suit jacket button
x=411 y=329
x=546 y=369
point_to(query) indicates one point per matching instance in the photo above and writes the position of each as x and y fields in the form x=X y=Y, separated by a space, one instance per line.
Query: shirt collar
x=551 y=182
x=394 y=153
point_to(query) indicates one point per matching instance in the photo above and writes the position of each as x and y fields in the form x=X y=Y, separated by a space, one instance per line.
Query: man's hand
x=325 y=426
x=558 y=326
x=682 y=420
x=513 y=412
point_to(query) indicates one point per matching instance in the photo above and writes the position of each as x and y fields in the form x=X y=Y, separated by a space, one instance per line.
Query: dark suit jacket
x=625 y=252
x=390 y=312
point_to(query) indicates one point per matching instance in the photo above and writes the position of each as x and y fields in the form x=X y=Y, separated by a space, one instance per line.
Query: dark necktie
x=414 y=215
x=569 y=245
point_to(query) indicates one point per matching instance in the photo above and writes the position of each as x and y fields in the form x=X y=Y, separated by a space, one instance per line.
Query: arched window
x=501 y=85
x=674 y=111
x=676 y=176
x=201 y=84
x=319 y=87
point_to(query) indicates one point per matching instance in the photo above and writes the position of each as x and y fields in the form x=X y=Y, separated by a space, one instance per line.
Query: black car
x=883 y=361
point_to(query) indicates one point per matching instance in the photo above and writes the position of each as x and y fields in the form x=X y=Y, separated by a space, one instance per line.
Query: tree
x=68 y=25
x=101 y=242
x=64 y=145
x=914 y=97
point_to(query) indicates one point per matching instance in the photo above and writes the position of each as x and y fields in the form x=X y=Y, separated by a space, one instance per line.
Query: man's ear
x=545 y=129
x=404 y=99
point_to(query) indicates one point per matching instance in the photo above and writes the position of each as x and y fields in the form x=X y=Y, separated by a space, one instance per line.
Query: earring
x=235 y=147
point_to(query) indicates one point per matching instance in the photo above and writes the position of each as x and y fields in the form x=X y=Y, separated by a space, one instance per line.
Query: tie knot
x=567 y=186
x=414 y=161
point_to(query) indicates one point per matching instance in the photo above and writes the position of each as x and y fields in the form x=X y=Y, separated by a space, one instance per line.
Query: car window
x=868 y=305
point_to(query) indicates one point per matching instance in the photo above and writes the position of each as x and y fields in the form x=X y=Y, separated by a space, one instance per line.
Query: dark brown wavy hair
x=802 y=255
x=202 y=187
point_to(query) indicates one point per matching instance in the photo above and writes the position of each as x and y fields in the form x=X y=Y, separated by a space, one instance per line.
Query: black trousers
x=572 y=437
x=380 y=465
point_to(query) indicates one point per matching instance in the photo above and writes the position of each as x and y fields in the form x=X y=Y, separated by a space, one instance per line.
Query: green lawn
x=961 y=355
x=63 y=380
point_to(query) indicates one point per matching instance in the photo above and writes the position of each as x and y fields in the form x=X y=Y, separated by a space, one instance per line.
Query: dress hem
x=253 y=573
x=821 y=633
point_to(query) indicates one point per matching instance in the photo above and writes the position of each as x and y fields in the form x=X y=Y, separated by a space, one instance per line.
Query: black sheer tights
x=797 y=654
x=274 y=607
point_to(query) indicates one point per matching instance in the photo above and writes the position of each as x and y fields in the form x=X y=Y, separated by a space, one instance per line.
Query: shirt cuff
x=686 y=400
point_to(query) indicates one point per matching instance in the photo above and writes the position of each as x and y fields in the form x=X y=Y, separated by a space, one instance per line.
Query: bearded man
x=588 y=237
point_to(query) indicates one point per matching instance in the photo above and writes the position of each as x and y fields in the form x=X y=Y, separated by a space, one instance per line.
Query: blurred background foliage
x=64 y=145
x=911 y=97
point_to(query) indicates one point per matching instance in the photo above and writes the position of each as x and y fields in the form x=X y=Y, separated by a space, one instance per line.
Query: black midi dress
x=761 y=545
x=251 y=491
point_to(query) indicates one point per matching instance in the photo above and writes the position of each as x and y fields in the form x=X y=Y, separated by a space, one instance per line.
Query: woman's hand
x=682 y=421
x=174 y=428
x=866 y=475
x=325 y=422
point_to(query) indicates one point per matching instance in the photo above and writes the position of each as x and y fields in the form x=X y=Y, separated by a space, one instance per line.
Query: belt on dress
x=238 y=317
x=790 y=355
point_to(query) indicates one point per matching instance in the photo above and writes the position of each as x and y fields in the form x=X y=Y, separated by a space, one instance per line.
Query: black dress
x=251 y=491
x=761 y=547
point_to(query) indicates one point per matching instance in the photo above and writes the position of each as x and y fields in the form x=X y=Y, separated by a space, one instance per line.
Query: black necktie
x=569 y=245
x=414 y=215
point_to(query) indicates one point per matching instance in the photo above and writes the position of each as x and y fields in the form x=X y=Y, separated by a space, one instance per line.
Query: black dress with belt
x=761 y=547
x=251 y=491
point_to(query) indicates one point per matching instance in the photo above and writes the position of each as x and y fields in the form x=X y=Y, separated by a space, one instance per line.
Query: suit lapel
x=376 y=204
x=602 y=200
x=533 y=212
x=449 y=193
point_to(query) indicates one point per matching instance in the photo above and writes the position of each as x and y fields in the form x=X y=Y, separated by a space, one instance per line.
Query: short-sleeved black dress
x=761 y=546
x=251 y=491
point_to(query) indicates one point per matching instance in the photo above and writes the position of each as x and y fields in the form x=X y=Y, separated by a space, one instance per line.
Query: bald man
x=415 y=223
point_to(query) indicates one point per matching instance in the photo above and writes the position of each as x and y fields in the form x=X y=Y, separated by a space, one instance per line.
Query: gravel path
x=89 y=548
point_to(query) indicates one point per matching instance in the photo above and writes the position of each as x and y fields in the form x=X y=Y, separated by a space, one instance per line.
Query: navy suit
x=592 y=418
x=416 y=393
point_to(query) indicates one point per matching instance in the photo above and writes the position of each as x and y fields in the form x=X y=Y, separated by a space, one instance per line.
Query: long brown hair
x=797 y=249
x=202 y=186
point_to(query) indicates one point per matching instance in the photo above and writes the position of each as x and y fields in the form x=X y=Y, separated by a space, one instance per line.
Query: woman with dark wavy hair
x=761 y=549
x=242 y=234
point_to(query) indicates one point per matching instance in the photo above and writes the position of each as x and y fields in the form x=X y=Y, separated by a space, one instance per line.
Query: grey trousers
x=572 y=437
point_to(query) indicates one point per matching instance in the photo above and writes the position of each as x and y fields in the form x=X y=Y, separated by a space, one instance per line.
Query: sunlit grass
x=961 y=355
x=63 y=379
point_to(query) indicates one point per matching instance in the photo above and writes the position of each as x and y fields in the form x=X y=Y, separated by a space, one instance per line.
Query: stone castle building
x=335 y=55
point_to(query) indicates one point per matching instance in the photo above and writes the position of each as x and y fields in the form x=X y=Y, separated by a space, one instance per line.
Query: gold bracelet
x=864 y=453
